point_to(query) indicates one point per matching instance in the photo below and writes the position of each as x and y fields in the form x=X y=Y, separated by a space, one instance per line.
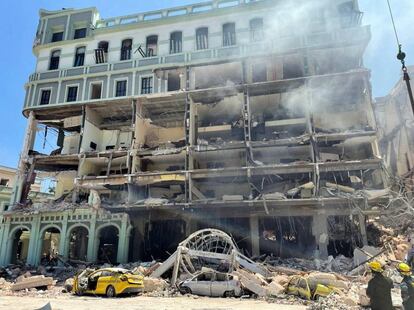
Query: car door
x=203 y=284
x=219 y=284
x=104 y=281
x=304 y=290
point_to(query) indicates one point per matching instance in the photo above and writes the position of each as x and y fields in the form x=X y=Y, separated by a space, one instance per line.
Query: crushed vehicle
x=108 y=281
x=302 y=287
x=209 y=282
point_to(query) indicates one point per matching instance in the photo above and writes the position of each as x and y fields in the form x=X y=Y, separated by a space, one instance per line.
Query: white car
x=212 y=283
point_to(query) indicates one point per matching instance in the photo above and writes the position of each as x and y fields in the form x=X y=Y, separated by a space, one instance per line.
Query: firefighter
x=379 y=288
x=407 y=286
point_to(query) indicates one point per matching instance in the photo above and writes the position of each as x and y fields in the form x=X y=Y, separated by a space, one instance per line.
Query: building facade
x=254 y=117
x=396 y=131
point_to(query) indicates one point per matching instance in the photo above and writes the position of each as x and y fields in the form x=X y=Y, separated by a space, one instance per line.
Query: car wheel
x=185 y=290
x=110 y=291
x=229 y=294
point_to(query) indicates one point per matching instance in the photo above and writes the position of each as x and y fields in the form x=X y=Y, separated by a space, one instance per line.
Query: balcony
x=342 y=37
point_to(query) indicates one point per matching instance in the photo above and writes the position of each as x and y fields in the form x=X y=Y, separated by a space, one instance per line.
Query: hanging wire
x=393 y=23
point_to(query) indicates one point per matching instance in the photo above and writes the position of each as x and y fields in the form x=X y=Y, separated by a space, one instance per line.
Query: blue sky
x=19 y=21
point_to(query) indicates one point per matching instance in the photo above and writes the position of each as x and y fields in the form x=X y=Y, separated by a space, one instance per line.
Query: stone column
x=254 y=235
x=32 y=257
x=320 y=231
x=91 y=254
x=4 y=239
x=122 y=248
x=64 y=238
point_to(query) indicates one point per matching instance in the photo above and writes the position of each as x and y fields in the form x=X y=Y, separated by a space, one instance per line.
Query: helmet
x=375 y=266
x=404 y=269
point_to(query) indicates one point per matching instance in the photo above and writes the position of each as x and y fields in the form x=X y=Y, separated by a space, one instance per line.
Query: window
x=152 y=46
x=54 y=60
x=45 y=96
x=79 y=56
x=121 y=88
x=202 y=38
x=176 y=42
x=126 y=49
x=101 y=53
x=57 y=36
x=229 y=34
x=72 y=94
x=256 y=30
x=96 y=91
x=174 y=82
x=146 y=85
x=4 y=182
x=259 y=73
x=80 y=33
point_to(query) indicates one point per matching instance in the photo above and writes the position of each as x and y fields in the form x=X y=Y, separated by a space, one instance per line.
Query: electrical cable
x=393 y=24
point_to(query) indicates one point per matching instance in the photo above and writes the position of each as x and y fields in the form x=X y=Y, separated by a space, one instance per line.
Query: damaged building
x=223 y=114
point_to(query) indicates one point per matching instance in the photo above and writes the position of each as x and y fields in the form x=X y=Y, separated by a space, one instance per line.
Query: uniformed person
x=379 y=288
x=407 y=286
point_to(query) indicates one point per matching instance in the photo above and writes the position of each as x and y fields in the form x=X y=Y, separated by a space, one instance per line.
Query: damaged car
x=302 y=287
x=212 y=283
x=109 y=281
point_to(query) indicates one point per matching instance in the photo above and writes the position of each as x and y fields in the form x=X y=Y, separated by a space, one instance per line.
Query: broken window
x=96 y=91
x=79 y=33
x=152 y=46
x=45 y=97
x=4 y=182
x=72 y=94
x=202 y=38
x=80 y=56
x=292 y=70
x=229 y=34
x=256 y=30
x=121 y=88
x=146 y=85
x=54 y=60
x=173 y=81
x=57 y=36
x=176 y=42
x=101 y=53
x=126 y=49
x=259 y=73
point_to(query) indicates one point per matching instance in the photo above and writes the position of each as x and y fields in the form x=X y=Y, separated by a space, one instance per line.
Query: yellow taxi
x=108 y=281
x=300 y=286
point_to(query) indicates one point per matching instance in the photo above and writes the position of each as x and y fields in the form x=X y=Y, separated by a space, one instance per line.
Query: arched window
x=101 y=53
x=256 y=30
x=176 y=42
x=79 y=56
x=126 y=49
x=152 y=46
x=229 y=34
x=54 y=60
x=202 y=38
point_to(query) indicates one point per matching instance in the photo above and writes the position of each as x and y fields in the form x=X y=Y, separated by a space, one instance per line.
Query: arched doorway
x=108 y=244
x=20 y=246
x=78 y=243
x=50 y=246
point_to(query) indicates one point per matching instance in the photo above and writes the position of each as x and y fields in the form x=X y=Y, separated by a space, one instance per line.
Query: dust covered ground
x=71 y=302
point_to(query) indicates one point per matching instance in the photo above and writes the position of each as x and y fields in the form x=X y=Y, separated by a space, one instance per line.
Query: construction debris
x=33 y=282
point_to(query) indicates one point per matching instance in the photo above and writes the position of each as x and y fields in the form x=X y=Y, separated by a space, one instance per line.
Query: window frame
x=196 y=41
x=260 y=30
x=67 y=92
x=77 y=29
x=115 y=86
x=235 y=34
x=40 y=95
x=52 y=57
x=122 y=49
x=152 y=76
x=91 y=83
x=146 y=45
x=57 y=32
x=181 y=44
x=76 y=55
